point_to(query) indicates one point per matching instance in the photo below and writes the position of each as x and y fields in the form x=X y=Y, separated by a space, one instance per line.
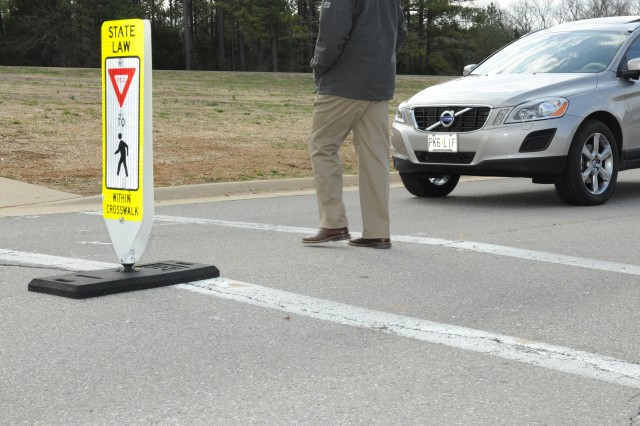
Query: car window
x=634 y=50
x=561 y=52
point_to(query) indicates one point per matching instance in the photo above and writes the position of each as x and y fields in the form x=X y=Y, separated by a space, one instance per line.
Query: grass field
x=207 y=126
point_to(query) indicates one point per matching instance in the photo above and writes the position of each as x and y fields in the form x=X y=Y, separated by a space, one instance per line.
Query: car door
x=630 y=156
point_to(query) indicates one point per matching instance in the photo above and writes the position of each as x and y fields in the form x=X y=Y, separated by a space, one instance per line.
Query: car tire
x=427 y=185
x=591 y=169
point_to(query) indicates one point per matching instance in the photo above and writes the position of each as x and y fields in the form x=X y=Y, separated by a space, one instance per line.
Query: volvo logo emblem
x=447 y=118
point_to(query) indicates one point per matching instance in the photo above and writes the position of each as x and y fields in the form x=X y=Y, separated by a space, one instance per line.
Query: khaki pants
x=333 y=118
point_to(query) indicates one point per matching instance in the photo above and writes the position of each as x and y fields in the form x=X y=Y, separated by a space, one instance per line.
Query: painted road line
x=537 y=256
x=558 y=358
x=53 y=262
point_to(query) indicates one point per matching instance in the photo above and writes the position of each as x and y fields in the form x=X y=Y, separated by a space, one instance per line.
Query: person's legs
x=371 y=139
x=333 y=118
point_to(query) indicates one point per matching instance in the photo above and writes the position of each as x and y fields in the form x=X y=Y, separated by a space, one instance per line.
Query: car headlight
x=399 y=118
x=540 y=109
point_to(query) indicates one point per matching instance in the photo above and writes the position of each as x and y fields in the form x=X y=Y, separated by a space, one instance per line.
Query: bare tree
x=220 y=27
x=571 y=10
x=188 y=33
x=527 y=15
x=544 y=11
x=522 y=18
x=602 y=8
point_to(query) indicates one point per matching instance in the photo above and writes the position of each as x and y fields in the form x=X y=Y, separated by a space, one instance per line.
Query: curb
x=60 y=202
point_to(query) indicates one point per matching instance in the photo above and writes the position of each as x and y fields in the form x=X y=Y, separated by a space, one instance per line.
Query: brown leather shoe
x=325 y=235
x=378 y=243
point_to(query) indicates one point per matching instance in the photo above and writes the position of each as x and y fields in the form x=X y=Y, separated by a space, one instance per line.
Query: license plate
x=442 y=143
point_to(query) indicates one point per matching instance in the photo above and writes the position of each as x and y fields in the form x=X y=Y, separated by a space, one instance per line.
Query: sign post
x=127 y=173
x=127 y=137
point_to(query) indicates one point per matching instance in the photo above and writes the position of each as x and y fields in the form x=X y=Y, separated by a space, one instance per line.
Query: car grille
x=471 y=120
x=445 y=157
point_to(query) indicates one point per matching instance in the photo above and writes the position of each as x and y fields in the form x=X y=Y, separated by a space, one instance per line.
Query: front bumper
x=525 y=167
x=491 y=151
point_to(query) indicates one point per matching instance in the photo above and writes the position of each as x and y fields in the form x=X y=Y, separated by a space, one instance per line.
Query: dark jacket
x=355 y=55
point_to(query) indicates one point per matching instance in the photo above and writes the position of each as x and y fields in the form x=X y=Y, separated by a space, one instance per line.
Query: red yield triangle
x=129 y=72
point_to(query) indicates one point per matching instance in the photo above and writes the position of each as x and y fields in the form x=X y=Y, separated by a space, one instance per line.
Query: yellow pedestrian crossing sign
x=127 y=173
x=127 y=146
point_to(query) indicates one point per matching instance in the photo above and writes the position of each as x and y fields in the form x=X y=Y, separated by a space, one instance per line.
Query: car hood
x=503 y=90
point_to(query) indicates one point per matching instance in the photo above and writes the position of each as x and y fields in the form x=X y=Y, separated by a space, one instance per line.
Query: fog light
x=537 y=141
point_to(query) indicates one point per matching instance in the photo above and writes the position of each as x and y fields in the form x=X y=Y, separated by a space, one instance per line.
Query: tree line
x=272 y=35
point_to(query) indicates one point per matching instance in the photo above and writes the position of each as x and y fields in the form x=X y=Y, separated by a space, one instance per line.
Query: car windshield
x=560 y=52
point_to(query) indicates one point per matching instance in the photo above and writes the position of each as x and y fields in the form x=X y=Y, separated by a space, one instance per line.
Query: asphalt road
x=496 y=305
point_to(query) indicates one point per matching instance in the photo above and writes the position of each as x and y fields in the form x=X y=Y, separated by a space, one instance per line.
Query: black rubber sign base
x=81 y=285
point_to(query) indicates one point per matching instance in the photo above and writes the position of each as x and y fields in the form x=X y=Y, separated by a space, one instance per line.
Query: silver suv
x=560 y=106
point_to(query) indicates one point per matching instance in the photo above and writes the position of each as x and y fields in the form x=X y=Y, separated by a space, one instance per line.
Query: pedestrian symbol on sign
x=123 y=150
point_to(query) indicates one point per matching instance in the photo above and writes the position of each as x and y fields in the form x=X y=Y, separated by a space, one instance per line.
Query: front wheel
x=426 y=185
x=591 y=170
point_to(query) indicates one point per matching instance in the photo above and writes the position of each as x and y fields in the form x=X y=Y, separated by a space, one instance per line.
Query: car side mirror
x=467 y=70
x=632 y=70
